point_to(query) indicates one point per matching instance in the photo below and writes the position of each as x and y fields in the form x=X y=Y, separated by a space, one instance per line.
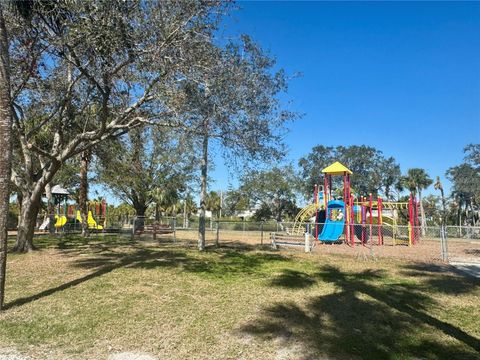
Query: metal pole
x=133 y=226
x=443 y=239
x=445 y=236
x=175 y=229
x=217 y=242
x=261 y=236
x=380 y=220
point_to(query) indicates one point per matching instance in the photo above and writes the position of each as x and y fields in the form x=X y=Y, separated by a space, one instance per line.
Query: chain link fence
x=451 y=243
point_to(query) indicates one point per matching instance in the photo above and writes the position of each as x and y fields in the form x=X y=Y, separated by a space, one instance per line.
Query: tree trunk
x=203 y=194
x=140 y=209
x=50 y=209
x=278 y=215
x=83 y=190
x=27 y=221
x=6 y=152
x=423 y=222
x=184 y=213
x=472 y=213
x=19 y=203
x=459 y=214
x=221 y=205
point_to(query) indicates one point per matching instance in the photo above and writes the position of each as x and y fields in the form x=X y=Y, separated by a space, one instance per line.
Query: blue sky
x=403 y=77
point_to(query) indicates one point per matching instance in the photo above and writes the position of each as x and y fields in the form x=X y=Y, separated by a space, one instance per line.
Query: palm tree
x=189 y=207
x=164 y=198
x=214 y=203
x=438 y=186
x=417 y=180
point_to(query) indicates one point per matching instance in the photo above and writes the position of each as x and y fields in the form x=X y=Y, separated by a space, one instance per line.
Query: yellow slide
x=92 y=224
x=60 y=221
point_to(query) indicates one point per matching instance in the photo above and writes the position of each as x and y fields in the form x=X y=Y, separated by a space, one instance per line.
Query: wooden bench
x=154 y=229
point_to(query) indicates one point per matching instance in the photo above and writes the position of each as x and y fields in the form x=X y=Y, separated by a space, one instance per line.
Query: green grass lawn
x=77 y=298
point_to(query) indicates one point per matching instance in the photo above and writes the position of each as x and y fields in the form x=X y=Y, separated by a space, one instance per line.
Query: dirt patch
x=12 y=354
x=131 y=356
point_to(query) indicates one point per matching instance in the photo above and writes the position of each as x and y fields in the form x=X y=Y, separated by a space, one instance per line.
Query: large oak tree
x=87 y=71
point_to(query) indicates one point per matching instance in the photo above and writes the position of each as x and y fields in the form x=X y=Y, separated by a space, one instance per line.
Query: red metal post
x=364 y=217
x=410 y=219
x=345 y=203
x=380 y=220
x=104 y=208
x=352 y=218
x=417 y=219
x=315 y=200
x=370 y=205
x=325 y=191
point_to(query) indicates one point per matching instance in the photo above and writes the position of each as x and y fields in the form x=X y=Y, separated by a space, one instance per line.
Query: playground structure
x=69 y=216
x=96 y=208
x=361 y=217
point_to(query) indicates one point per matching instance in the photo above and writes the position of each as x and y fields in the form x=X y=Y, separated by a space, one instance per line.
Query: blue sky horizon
x=403 y=77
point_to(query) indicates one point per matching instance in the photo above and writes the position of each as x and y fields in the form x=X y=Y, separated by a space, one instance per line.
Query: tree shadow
x=103 y=258
x=293 y=279
x=439 y=278
x=366 y=316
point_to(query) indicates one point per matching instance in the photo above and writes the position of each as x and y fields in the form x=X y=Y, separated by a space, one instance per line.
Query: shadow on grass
x=104 y=258
x=439 y=278
x=367 y=316
x=293 y=279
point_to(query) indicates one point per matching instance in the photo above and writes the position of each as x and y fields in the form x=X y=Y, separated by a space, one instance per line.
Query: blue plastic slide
x=334 y=222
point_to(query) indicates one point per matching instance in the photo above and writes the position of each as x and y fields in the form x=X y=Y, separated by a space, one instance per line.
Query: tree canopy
x=372 y=172
x=465 y=179
x=146 y=166
x=273 y=190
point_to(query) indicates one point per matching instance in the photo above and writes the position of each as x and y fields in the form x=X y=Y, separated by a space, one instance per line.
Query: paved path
x=472 y=269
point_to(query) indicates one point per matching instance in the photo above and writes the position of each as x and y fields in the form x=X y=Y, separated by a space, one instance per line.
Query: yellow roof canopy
x=336 y=168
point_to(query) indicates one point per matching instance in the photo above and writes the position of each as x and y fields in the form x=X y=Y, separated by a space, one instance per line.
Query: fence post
x=307 y=239
x=217 y=236
x=175 y=229
x=443 y=239
x=261 y=235
x=133 y=227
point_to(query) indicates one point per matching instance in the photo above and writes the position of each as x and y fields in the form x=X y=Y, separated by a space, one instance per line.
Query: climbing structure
x=359 y=217
x=308 y=212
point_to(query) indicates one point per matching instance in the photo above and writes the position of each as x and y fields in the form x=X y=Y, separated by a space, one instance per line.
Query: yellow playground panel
x=92 y=224
x=60 y=221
